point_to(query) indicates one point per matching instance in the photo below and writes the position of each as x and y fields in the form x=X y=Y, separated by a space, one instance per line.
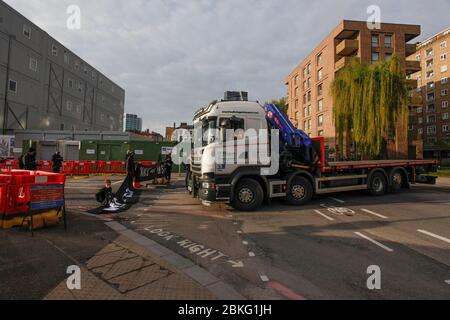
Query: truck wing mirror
x=225 y=123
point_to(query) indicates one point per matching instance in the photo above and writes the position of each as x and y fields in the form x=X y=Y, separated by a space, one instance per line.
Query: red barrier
x=45 y=166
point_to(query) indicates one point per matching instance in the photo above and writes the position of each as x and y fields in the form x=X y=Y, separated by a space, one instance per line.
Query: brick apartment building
x=309 y=99
x=429 y=120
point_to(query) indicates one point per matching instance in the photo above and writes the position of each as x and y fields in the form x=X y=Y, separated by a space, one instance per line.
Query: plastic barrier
x=80 y=168
x=26 y=194
x=46 y=166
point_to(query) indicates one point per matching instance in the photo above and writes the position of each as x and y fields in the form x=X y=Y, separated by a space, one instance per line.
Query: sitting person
x=107 y=198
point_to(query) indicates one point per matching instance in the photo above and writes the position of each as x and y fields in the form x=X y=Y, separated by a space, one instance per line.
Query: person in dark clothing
x=57 y=161
x=30 y=160
x=21 y=162
x=187 y=169
x=168 y=163
x=104 y=195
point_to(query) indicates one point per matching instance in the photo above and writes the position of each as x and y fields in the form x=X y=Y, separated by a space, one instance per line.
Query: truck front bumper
x=212 y=192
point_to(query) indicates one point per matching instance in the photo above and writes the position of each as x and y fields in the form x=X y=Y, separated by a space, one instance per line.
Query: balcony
x=347 y=47
x=416 y=100
x=412 y=66
x=412 y=84
x=410 y=49
x=342 y=62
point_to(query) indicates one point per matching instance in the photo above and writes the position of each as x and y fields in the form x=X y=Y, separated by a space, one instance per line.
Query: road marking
x=447 y=281
x=434 y=235
x=375 y=214
x=288 y=293
x=236 y=264
x=239 y=231
x=245 y=243
x=374 y=242
x=117 y=182
x=337 y=200
x=251 y=254
x=324 y=215
x=264 y=278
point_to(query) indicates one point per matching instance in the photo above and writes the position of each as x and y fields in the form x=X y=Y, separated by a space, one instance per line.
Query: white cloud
x=172 y=56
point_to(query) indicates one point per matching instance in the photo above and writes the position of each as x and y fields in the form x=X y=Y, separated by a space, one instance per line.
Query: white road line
x=324 y=215
x=337 y=200
x=374 y=242
x=375 y=214
x=264 y=278
x=434 y=235
x=447 y=281
x=245 y=243
x=239 y=232
x=251 y=254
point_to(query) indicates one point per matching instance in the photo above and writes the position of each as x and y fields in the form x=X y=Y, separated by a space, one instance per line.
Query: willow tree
x=369 y=99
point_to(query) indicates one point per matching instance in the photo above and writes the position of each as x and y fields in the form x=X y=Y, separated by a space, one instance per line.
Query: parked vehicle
x=302 y=172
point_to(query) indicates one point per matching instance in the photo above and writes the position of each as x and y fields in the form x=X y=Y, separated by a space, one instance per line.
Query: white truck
x=302 y=172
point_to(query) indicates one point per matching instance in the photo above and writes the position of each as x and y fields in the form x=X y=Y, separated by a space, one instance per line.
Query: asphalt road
x=319 y=251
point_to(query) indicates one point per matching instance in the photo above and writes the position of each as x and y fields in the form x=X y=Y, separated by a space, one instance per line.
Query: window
x=103 y=100
x=320 y=121
x=320 y=105
x=304 y=72
x=375 y=57
x=420 y=131
x=444 y=80
x=444 y=104
x=445 y=128
x=26 y=31
x=419 y=110
x=33 y=64
x=304 y=85
x=431 y=140
x=320 y=74
x=443 y=45
x=70 y=83
x=80 y=86
x=388 y=41
x=443 y=56
x=54 y=50
x=69 y=105
x=77 y=65
x=308 y=68
x=375 y=41
x=66 y=57
x=309 y=110
x=431 y=119
x=444 y=92
x=431 y=108
x=320 y=133
x=431 y=130
x=12 y=86
x=304 y=98
x=305 y=112
x=410 y=127
x=445 y=116
x=429 y=52
x=308 y=83
x=85 y=70
x=444 y=68
x=387 y=56
x=430 y=86
x=419 y=120
x=309 y=124
x=320 y=89
x=296 y=80
x=79 y=108
x=305 y=124
x=418 y=57
x=429 y=64
x=61 y=127
x=319 y=59
x=430 y=74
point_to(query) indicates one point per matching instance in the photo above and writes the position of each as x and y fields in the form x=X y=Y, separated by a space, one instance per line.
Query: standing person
x=168 y=167
x=30 y=160
x=126 y=189
x=187 y=169
x=21 y=162
x=57 y=161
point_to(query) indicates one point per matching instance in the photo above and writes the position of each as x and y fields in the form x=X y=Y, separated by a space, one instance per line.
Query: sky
x=174 y=56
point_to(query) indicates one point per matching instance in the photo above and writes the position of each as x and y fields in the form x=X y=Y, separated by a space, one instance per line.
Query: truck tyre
x=378 y=184
x=396 y=180
x=248 y=195
x=300 y=191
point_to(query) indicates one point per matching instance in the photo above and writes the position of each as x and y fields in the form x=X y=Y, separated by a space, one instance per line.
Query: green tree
x=281 y=103
x=369 y=100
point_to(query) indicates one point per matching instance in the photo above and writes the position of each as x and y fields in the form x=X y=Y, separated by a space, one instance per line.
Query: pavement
x=169 y=246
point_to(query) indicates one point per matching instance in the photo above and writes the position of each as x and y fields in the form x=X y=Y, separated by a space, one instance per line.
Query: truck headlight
x=208 y=185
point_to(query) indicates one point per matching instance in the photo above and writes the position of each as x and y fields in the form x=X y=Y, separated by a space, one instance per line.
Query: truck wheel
x=378 y=184
x=300 y=191
x=396 y=180
x=248 y=195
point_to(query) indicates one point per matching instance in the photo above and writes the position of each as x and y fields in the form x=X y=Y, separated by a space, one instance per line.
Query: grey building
x=45 y=86
x=132 y=122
